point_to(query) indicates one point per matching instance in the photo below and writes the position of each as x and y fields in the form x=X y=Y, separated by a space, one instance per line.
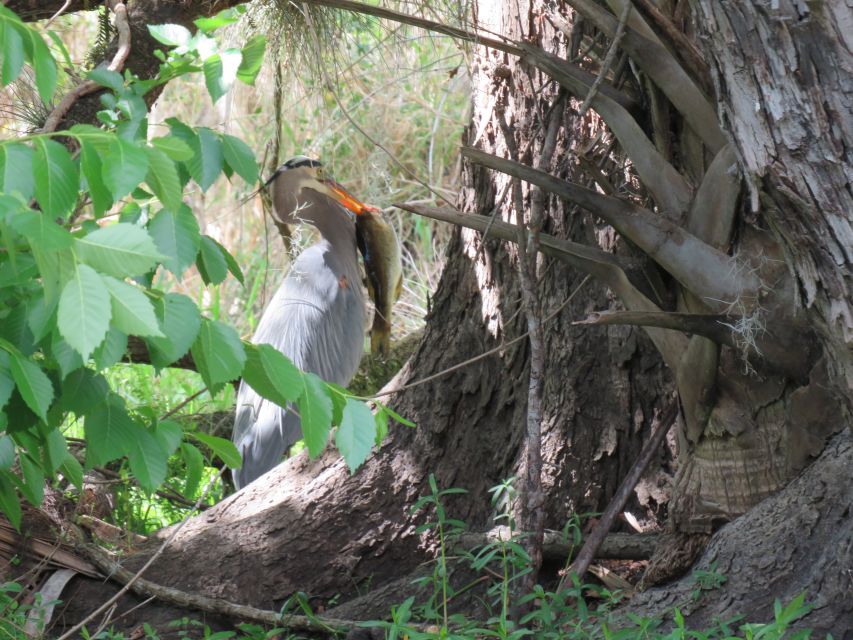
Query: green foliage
x=74 y=287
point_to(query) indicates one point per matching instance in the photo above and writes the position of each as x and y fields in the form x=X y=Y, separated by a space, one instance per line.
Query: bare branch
x=601 y=265
x=664 y=70
x=666 y=185
x=608 y=60
x=710 y=274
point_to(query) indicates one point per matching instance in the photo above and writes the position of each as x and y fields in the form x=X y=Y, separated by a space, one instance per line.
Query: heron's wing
x=316 y=319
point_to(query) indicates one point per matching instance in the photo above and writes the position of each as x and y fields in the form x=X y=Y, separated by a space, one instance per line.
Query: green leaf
x=111 y=350
x=177 y=149
x=218 y=353
x=90 y=163
x=33 y=385
x=84 y=311
x=56 y=178
x=177 y=237
x=221 y=448
x=45 y=68
x=56 y=449
x=169 y=434
x=40 y=230
x=110 y=432
x=173 y=35
x=221 y=19
x=16 y=170
x=356 y=434
x=211 y=262
x=9 y=503
x=240 y=158
x=315 y=413
x=272 y=375
x=163 y=179
x=72 y=471
x=33 y=487
x=195 y=467
x=147 y=461
x=121 y=250
x=7 y=452
x=180 y=320
x=13 y=53
x=253 y=58
x=220 y=71
x=125 y=167
x=66 y=357
x=133 y=313
x=83 y=391
x=206 y=163
x=7 y=385
x=107 y=78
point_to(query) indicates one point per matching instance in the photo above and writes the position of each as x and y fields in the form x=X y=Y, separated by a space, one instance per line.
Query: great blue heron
x=317 y=316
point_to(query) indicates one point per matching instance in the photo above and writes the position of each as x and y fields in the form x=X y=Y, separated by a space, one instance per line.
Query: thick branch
x=665 y=72
x=601 y=265
x=709 y=274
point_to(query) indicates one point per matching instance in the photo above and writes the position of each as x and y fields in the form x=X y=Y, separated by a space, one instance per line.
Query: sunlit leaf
x=177 y=237
x=180 y=321
x=356 y=435
x=16 y=170
x=84 y=311
x=120 y=250
x=90 y=164
x=133 y=312
x=211 y=262
x=240 y=158
x=221 y=448
x=56 y=178
x=45 y=68
x=195 y=467
x=218 y=353
x=315 y=412
x=163 y=179
x=13 y=53
x=110 y=432
x=253 y=58
x=40 y=230
x=220 y=72
x=206 y=163
x=125 y=166
x=147 y=460
x=272 y=375
x=174 y=35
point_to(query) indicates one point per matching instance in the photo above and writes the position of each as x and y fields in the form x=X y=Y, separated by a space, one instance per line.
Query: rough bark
x=799 y=540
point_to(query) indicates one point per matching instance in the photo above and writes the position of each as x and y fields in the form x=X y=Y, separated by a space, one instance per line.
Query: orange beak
x=347 y=200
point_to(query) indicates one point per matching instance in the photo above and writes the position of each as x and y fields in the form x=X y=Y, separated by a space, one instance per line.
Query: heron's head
x=295 y=186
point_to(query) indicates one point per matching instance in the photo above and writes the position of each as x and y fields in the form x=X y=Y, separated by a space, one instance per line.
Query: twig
x=90 y=86
x=133 y=578
x=608 y=59
x=183 y=403
x=599 y=533
x=57 y=14
x=485 y=354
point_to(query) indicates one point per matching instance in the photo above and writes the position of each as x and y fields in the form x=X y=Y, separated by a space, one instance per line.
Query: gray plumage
x=316 y=317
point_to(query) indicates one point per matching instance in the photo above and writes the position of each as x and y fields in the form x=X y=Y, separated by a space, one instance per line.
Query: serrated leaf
x=84 y=311
x=272 y=375
x=220 y=71
x=173 y=147
x=72 y=471
x=33 y=385
x=169 y=434
x=33 y=486
x=211 y=262
x=13 y=53
x=45 y=68
x=195 y=468
x=206 y=162
x=66 y=357
x=176 y=235
x=173 y=35
x=218 y=353
x=56 y=178
x=40 y=230
x=16 y=170
x=180 y=320
x=125 y=167
x=121 y=250
x=110 y=432
x=240 y=158
x=133 y=313
x=56 y=449
x=90 y=164
x=221 y=448
x=7 y=385
x=9 y=503
x=253 y=58
x=83 y=391
x=111 y=350
x=163 y=179
x=355 y=437
x=107 y=78
x=147 y=460
x=315 y=413
x=7 y=452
